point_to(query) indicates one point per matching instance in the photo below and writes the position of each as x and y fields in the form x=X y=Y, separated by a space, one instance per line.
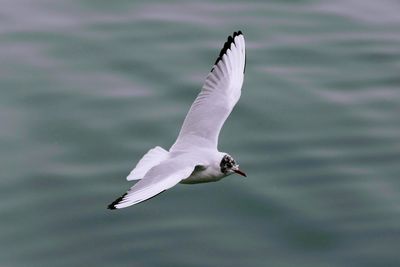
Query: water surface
x=87 y=88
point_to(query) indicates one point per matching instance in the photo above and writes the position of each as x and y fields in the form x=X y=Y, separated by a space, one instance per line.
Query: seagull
x=194 y=157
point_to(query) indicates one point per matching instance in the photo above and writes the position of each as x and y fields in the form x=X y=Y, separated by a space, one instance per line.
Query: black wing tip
x=111 y=207
x=237 y=33
x=115 y=202
x=227 y=45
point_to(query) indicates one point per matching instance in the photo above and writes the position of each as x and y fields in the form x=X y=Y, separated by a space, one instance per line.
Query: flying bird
x=194 y=157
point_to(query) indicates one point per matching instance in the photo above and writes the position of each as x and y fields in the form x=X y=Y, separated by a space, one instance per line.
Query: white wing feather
x=152 y=158
x=158 y=179
x=219 y=94
x=201 y=128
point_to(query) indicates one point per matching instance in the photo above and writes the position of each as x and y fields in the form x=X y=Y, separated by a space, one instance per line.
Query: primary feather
x=219 y=94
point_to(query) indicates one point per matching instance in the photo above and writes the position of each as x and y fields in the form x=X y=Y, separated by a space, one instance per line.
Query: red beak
x=240 y=172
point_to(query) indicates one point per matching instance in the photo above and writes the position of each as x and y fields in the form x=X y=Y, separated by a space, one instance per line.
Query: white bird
x=194 y=157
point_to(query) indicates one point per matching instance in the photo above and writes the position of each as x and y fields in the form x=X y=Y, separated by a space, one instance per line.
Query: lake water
x=87 y=87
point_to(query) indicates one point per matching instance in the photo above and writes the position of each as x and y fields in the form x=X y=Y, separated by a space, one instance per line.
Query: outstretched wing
x=217 y=98
x=157 y=179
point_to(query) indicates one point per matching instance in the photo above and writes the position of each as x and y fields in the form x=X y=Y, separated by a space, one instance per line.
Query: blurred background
x=87 y=87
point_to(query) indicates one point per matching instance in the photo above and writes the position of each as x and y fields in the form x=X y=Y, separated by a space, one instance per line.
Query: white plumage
x=149 y=160
x=194 y=157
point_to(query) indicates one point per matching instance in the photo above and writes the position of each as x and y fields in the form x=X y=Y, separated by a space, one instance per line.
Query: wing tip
x=237 y=33
x=115 y=202
x=113 y=206
x=227 y=45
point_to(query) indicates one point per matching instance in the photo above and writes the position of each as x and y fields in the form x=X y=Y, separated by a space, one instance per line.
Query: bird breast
x=203 y=174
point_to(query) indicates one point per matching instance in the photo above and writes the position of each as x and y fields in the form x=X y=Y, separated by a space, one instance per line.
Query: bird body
x=194 y=157
x=209 y=171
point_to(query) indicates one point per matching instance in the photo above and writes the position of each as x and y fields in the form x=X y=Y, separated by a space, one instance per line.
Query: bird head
x=228 y=166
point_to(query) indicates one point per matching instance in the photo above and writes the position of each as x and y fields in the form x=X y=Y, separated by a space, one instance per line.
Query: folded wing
x=219 y=94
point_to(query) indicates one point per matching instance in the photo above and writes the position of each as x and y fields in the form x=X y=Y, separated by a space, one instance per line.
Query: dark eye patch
x=227 y=162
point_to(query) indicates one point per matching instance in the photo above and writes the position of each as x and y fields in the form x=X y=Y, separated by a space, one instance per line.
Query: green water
x=87 y=87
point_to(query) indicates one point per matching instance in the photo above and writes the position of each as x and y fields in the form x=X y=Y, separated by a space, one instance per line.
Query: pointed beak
x=240 y=172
